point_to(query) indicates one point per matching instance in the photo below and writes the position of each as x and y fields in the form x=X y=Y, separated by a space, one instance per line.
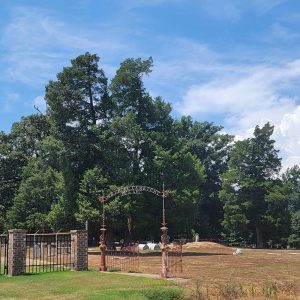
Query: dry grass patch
x=257 y=272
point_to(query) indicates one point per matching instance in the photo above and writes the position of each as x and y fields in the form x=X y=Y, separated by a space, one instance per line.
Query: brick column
x=16 y=252
x=79 y=250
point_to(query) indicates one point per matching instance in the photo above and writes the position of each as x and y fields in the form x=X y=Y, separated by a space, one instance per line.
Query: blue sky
x=233 y=62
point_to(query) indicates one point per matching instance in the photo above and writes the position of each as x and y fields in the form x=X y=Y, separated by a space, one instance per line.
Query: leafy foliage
x=246 y=187
x=291 y=179
x=98 y=136
x=41 y=186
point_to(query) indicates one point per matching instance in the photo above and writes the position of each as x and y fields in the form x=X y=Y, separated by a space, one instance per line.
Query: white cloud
x=287 y=135
x=266 y=5
x=129 y=4
x=244 y=91
x=222 y=9
x=239 y=96
x=279 y=32
x=253 y=96
x=181 y=62
x=37 y=44
x=10 y=99
x=29 y=40
x=234 y=10
x=181 y=58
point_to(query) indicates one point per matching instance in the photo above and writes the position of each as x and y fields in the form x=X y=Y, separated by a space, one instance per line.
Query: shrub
x=231 y=290
x=163 y=294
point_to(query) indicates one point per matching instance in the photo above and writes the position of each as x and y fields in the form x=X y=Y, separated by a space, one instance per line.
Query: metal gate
x=3 y=254
x=48 y=252
x=175 y=258
x=125 y=259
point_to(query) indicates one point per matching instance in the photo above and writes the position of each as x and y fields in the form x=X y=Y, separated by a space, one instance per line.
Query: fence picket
x=48 y=252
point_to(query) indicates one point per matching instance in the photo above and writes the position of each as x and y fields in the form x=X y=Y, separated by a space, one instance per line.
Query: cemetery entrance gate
x=128 y=257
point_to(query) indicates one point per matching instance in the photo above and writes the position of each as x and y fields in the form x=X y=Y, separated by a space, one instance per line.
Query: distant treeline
x=99 y=135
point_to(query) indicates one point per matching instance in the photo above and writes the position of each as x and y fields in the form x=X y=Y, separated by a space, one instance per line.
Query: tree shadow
x=158 y=253
x=203 y=254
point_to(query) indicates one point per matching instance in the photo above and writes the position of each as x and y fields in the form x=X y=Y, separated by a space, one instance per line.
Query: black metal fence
x=175 y=258
x=48 y=252
x=125 y=259
x=3 y=254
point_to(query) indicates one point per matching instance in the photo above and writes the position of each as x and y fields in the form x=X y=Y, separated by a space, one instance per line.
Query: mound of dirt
x=204 y=245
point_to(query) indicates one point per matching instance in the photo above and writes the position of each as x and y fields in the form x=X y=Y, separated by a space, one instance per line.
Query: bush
x=231 y=290
x=163 y=294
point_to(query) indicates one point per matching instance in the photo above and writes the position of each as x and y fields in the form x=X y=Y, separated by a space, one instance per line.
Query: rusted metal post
x=164 y=253
x=102 y=245
x=164 y=241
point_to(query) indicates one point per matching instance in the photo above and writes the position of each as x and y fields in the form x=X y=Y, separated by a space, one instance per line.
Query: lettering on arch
x=135 y=189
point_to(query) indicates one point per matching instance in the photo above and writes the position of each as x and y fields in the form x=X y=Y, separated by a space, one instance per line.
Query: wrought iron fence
x=175 y=258
x=3 y=254
x=48 y=252
x=125 y=259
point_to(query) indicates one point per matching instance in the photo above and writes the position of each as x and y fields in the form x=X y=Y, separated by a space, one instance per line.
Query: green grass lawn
x=86 y=285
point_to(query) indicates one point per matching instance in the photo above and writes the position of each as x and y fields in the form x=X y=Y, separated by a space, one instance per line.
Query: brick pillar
x=16 y=252
x=79 y=250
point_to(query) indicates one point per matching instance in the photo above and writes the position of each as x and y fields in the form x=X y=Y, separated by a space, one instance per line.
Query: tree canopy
x=100 y=134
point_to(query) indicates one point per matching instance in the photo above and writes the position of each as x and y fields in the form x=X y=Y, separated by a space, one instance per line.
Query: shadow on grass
x=158 y=253
x=204 y=254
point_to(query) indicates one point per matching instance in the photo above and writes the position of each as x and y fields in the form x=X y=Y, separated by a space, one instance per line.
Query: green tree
x=16 y=149
x=11 y=164
x=27 y=134
x=41 y=186
x=277 y=218
x=211 y=147
x=294 y=238
x=78 y=98
x=252 y=167
x=128 y=92
x=78 y=104
x=183 y=174
x=92 y=185
x=291 y=179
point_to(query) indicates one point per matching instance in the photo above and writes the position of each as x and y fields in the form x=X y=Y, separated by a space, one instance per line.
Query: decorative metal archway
x=164 y=237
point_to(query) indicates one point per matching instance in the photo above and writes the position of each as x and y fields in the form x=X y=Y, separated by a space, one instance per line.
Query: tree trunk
x=259 y=237
x=129 y=227
x=92 y=108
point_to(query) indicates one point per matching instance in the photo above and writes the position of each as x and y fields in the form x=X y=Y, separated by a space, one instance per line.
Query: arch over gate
x=164 y=237
x=135 y=189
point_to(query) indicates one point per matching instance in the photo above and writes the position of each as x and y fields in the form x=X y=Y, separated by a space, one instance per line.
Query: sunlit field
x=213 y=271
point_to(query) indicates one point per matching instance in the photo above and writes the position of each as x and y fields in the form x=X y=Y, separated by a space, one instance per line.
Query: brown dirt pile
x=204 y=245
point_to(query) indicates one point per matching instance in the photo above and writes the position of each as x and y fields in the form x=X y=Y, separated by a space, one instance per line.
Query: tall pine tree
x=253 y=166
